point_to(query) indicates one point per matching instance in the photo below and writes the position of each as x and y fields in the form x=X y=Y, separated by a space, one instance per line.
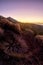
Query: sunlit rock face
x=18 y=47
x=40 y=39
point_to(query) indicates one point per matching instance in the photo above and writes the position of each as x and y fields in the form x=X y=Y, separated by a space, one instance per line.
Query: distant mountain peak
x=1 y=17
x=12 y=20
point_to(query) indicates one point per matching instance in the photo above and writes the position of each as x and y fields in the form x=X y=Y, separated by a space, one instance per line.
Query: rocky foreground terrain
x=18 y=47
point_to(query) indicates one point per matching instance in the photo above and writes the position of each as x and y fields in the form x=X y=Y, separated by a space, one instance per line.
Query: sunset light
x=30 y=11
x=30 y=20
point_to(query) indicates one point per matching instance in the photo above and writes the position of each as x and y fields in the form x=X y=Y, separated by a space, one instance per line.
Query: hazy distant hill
x=38 y=29
x=20 y=43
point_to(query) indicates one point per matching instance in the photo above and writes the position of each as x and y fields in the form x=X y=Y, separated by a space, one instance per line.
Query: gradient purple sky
x=23 y=10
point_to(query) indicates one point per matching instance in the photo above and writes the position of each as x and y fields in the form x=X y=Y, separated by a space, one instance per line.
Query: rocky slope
x=19 y=47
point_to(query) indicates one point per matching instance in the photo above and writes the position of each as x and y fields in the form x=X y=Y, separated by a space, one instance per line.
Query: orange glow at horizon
x=30 y=20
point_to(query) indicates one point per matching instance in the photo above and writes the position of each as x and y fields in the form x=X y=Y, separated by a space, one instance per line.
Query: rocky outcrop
x=11 y=41
x=40 y=39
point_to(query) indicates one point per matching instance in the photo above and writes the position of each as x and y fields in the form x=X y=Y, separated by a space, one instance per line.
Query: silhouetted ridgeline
x=20 y=44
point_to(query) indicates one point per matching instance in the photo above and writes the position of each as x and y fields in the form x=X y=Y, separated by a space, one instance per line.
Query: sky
x=23 y=10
